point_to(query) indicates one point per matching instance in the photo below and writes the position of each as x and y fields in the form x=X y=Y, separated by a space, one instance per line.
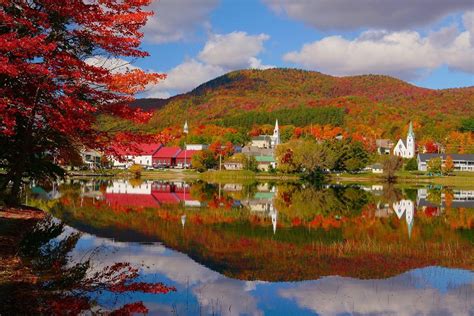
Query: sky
x=429 y=43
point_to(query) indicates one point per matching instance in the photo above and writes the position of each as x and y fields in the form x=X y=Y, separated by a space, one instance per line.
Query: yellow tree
x=448 y=165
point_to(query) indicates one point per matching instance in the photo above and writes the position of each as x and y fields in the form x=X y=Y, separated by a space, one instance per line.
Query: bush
x=136 y=170
x=411 y=165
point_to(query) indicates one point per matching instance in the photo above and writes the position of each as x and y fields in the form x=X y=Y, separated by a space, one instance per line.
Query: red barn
x=185 y=155
x=166 y=157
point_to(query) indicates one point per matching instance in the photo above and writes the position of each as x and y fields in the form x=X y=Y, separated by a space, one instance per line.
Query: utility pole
x=185 y=131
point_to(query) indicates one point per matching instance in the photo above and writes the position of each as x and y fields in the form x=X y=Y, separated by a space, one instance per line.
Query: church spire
x=276 y=135
x=410 y=130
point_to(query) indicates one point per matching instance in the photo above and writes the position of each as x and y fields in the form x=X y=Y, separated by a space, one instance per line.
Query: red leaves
x=46 y=81
x=153 y=288
x=130 y=309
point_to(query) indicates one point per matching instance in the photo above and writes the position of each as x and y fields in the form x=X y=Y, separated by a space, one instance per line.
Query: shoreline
x=462 y=179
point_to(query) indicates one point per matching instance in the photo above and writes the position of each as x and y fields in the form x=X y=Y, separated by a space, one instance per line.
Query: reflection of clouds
x=227 y=297
x=401 y=295
x=154 y=257
x=421 y=291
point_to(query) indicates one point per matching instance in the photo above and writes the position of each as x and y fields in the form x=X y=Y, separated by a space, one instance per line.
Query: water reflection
x=233 y=249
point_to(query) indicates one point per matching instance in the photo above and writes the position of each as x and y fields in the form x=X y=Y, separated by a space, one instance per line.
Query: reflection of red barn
x=131 y=200
x=185 y=157
x=183 y=193
x=166 y=157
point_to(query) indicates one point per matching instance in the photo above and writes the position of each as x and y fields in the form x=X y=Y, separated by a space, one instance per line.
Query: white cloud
x=393 y=296
x=403 y=54
x=221 y=53
x=234 y=50
x=176 y=20
x=384 y=14
x=115 y=65
x=226 y=296
x=185 y=77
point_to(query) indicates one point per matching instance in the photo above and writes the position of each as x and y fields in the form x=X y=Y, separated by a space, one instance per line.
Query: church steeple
x=276 y=135
x=410 y=130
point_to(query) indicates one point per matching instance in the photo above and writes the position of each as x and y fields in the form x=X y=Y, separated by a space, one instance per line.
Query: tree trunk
x=13 y=197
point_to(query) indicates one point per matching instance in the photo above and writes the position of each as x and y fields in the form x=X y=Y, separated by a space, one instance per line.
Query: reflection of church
x=406 y=207
x=261 y=203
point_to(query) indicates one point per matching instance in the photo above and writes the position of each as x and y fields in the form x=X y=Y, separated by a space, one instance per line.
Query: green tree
x=350 y=156
x=467 y=125
x=204 y=160
x=435 y=165
x=314 y=157
x=411 y=165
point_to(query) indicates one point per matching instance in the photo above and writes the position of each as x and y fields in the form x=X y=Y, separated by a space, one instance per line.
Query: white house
x=139 y=154
x=461 y=162
x=376 y=168
x=406 y=149
x=124 y=187
x=196 y=146
x=91 y=157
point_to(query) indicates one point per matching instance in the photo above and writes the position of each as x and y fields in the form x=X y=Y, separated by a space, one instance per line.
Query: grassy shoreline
x=458 y=179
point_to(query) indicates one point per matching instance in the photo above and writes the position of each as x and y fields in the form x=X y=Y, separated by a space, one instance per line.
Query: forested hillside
x=370 y=105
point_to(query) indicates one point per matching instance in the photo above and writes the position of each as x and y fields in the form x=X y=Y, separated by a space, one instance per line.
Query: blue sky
x=194 y=41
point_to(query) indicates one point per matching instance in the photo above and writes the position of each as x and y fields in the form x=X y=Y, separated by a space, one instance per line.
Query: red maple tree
x=55 y=79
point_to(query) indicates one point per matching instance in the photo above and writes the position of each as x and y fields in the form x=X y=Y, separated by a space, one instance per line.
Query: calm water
x=276 y=249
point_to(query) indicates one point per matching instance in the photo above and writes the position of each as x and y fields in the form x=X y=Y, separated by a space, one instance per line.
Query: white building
x=91 y=158
x=461 y=162
x=406 y=149
x=267 y=141
x=196 y=146
x=138 y=154
x=124 y=187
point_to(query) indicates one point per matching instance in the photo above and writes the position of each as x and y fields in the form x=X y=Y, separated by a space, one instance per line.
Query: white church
x=406 y=149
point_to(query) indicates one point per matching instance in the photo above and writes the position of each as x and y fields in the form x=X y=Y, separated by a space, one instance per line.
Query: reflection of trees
x=305 y=202
x=391 y=194
x=58 y=285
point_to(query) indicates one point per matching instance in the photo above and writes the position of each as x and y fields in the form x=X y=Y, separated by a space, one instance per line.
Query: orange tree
x=50 y=91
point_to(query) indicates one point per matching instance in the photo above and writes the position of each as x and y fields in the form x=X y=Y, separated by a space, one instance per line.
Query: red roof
x=165 y=197
x=167 y=152
x=138 y=149
x=189 y=153
x=131 y=200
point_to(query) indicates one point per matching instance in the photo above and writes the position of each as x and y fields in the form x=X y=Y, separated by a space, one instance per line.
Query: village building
x=166 y=157
x=384 y=146
x=267 y=141
x=233 y=165
x=406 y=148
x=461 y=162
x=196 y=147
x=138 y=154
x=263 y=149
x=265 y=163
x=375 y=168
x=185 y=157
x=91 y=158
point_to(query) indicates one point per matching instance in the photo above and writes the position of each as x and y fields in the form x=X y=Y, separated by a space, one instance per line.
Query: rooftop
x=167 y=152
x=465 y=157
x=264 y=159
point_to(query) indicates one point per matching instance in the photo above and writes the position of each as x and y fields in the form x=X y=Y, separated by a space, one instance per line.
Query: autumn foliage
x=52 y=83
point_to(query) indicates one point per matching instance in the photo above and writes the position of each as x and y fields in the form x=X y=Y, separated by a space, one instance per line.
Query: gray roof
x=465 y=157
x=262 y=137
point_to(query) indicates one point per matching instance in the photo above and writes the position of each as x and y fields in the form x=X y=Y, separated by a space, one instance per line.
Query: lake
x=274 y=248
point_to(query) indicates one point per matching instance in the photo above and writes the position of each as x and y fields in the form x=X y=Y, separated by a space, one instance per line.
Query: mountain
x=380 y=103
